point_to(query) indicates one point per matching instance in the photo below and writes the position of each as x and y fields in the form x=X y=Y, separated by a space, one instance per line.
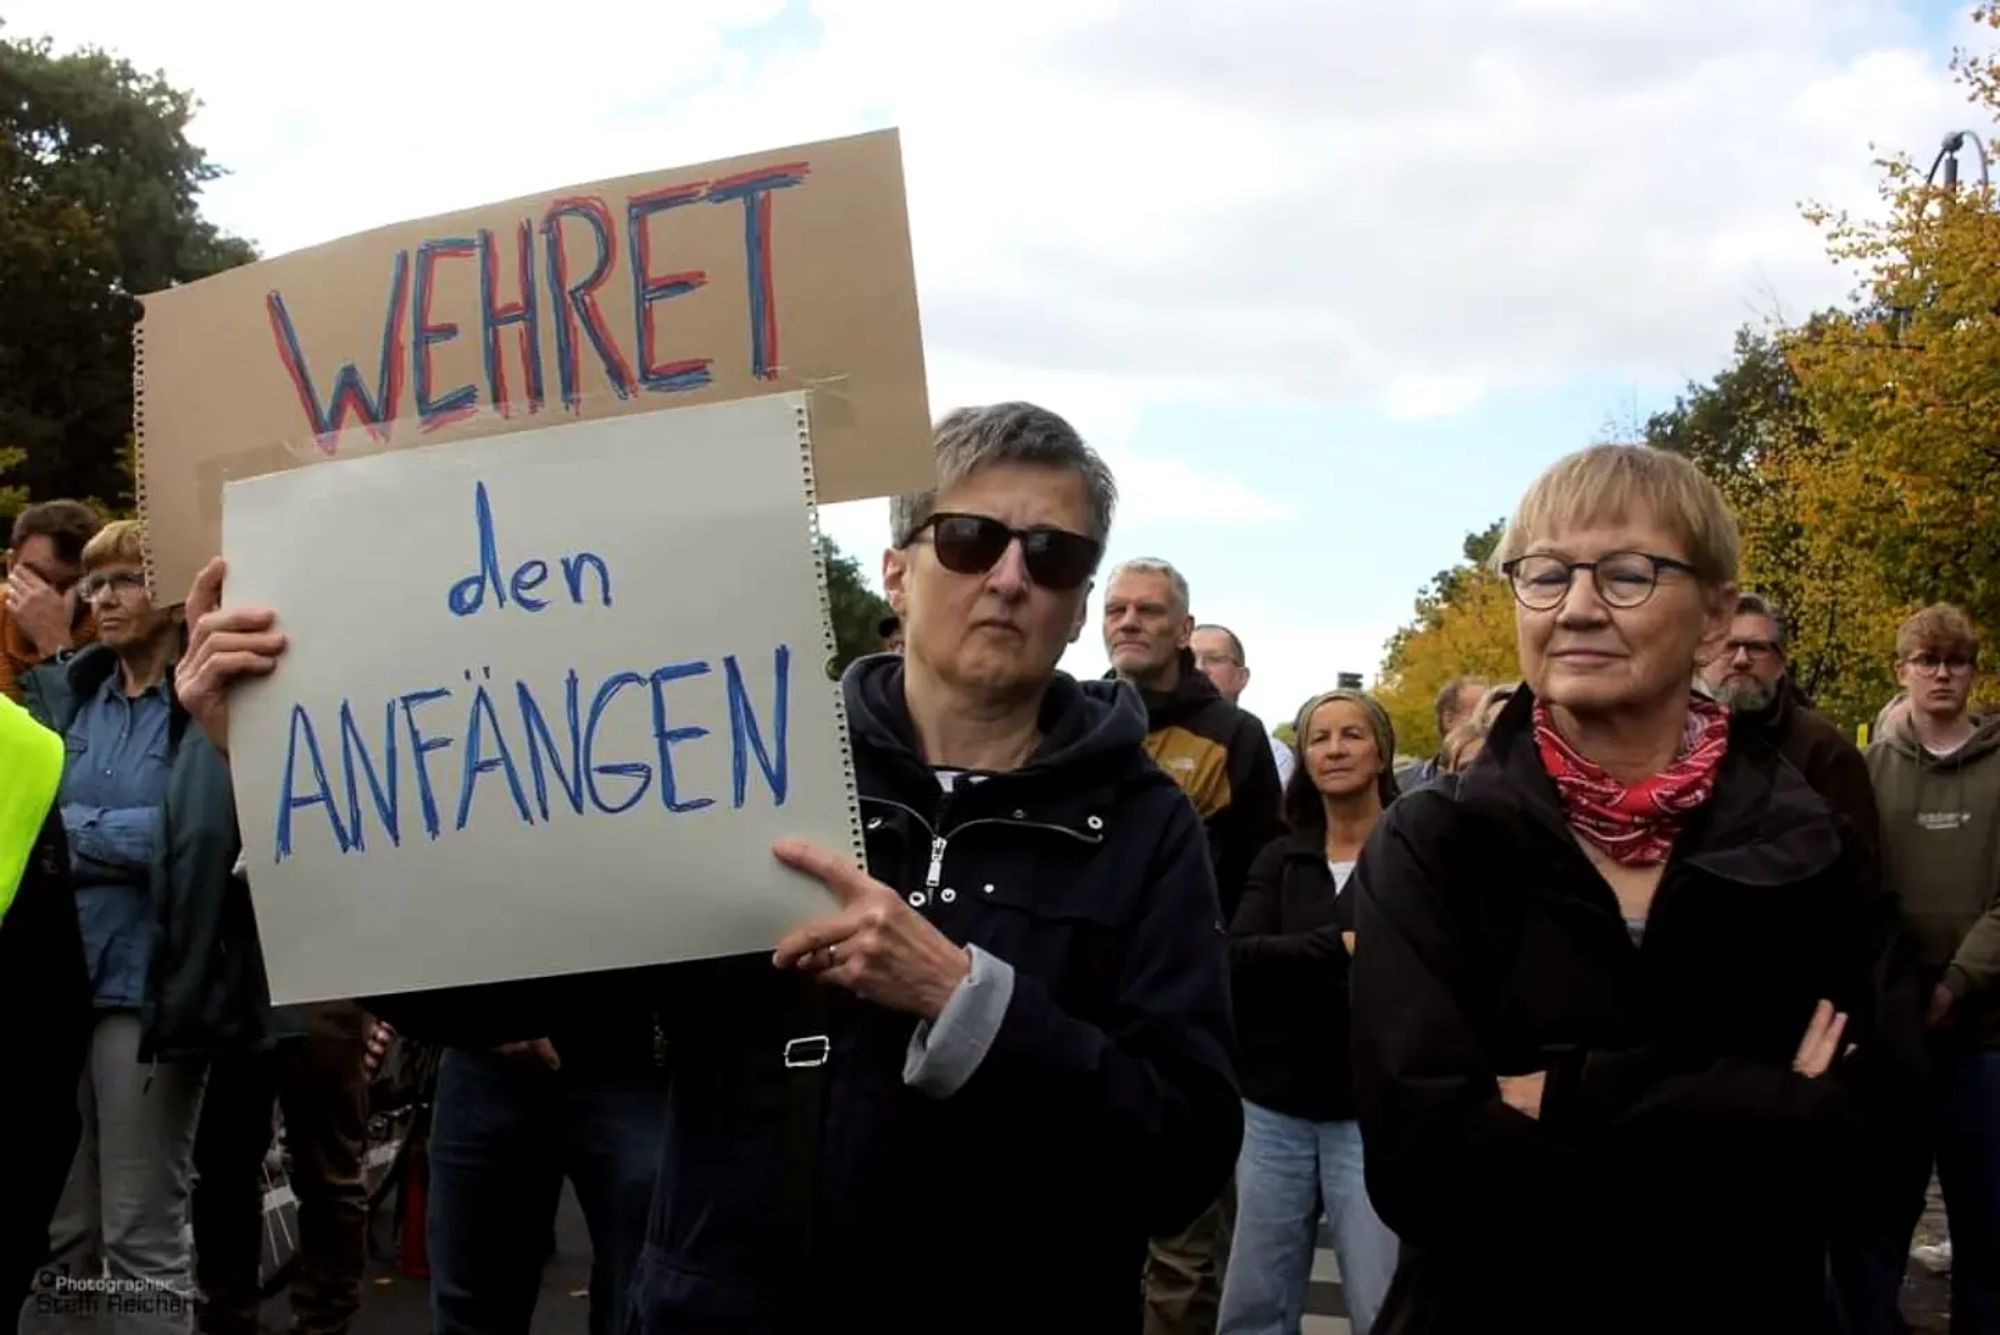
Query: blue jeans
x=1963 y=1130
x=1286 y=1168
x=505 y=1132
x=1969 y=1172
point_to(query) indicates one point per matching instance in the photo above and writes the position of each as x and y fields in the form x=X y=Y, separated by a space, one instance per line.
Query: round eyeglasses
x=1623 y=579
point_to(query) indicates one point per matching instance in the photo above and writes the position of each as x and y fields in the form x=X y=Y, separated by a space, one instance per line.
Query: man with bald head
x=1218 y=652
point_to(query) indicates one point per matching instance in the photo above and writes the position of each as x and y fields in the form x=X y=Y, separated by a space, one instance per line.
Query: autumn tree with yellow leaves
x=1464 y=626
x=1898 y=498
x=1860 y=450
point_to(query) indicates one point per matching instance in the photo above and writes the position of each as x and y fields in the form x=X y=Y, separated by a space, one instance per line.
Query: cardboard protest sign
x=551 y=717
x=771 y=273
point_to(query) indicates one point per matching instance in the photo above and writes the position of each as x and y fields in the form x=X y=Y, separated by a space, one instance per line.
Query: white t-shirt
x=1283 y=755
x=1341 y=871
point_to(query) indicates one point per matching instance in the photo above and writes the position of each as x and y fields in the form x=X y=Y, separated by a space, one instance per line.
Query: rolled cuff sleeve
x=945 y=1052
x=114 y=843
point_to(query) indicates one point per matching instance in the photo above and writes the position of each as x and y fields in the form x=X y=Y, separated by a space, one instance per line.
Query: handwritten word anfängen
x=513 y=305
x=588 y=757
x=508 y=732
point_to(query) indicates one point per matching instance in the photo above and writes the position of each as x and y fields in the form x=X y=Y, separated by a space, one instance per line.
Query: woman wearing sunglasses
x=1603 y=980
x=964 y=1098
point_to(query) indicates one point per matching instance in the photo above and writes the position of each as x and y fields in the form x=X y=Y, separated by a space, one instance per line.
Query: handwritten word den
x=512 y=309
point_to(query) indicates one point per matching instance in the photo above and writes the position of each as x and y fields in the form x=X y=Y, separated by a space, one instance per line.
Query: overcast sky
x=1328 y=281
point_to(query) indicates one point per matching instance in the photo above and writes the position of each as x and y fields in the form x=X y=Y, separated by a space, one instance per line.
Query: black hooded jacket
x=1671 y=1120
x=1104 y=1112
x=45 y=986
x=1220 y=756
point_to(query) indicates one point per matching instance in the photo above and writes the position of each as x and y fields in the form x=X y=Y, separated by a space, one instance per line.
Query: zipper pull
x=936 y=873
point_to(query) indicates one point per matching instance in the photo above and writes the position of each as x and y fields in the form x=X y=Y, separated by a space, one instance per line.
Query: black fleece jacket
x=1489 y=946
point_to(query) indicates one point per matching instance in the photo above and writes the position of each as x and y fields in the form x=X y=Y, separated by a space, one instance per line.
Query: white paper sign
x=547 y=700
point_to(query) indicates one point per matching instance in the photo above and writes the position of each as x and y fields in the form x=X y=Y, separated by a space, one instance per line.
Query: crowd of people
x=1130 y=999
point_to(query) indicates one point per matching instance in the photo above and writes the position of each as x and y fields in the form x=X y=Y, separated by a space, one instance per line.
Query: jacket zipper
x=934 y=873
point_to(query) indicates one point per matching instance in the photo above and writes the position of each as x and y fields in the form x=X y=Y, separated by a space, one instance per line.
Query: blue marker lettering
x=423 y=746
x=495 y=316
x=478 y=720
x=425 y=333
x=321 y=795
x=352 y=748
x=573 y=567
x=469 y=594
x=632 y=770
x=539 y=740
x=745 y=736
x=665 y=737
x=524 y=581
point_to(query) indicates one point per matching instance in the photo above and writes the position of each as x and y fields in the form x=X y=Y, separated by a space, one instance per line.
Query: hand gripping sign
x=549 y=714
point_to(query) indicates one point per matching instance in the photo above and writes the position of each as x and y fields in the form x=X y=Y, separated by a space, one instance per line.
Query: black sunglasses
x=972 y=544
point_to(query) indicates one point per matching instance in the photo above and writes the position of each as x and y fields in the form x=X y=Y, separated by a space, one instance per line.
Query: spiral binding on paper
x=139 y=457
x=859 y=843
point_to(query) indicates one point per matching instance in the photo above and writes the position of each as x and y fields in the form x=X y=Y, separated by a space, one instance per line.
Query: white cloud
x=1161 y=489
x=1418 y=396
x=1416 y=202
x=1410 y=202
x=1105 y=412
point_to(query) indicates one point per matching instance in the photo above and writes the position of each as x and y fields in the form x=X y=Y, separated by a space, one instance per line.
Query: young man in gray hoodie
x=1936 y=771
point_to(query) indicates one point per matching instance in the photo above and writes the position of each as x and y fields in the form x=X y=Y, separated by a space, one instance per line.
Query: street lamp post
x=1947 y=156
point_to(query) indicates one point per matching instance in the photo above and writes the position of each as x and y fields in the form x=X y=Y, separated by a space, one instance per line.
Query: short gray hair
x=1753 y=604
x=969 y=439
x=1153 y=565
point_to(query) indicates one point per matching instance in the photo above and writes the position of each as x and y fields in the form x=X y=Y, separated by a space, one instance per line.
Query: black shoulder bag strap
x=805 y=1054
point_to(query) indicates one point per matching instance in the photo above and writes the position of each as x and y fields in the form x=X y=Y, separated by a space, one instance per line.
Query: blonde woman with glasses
x=1604 y=978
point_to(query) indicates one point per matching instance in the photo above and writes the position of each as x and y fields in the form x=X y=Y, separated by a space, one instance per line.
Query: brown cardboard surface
x=248 y=372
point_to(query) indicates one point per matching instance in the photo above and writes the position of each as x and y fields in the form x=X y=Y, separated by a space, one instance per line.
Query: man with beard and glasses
x=1752 y=676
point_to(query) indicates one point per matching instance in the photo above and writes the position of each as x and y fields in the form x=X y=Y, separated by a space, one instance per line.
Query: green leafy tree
x=98 y=187
x=857 y=609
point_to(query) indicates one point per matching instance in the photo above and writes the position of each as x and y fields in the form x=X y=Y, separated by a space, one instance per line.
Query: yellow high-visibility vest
x=31 y=766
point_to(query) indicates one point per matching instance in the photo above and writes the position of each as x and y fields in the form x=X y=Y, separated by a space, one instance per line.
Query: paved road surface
x=393 y=1305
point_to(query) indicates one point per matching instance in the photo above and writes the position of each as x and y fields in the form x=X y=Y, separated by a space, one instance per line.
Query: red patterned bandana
x=1635 y=824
